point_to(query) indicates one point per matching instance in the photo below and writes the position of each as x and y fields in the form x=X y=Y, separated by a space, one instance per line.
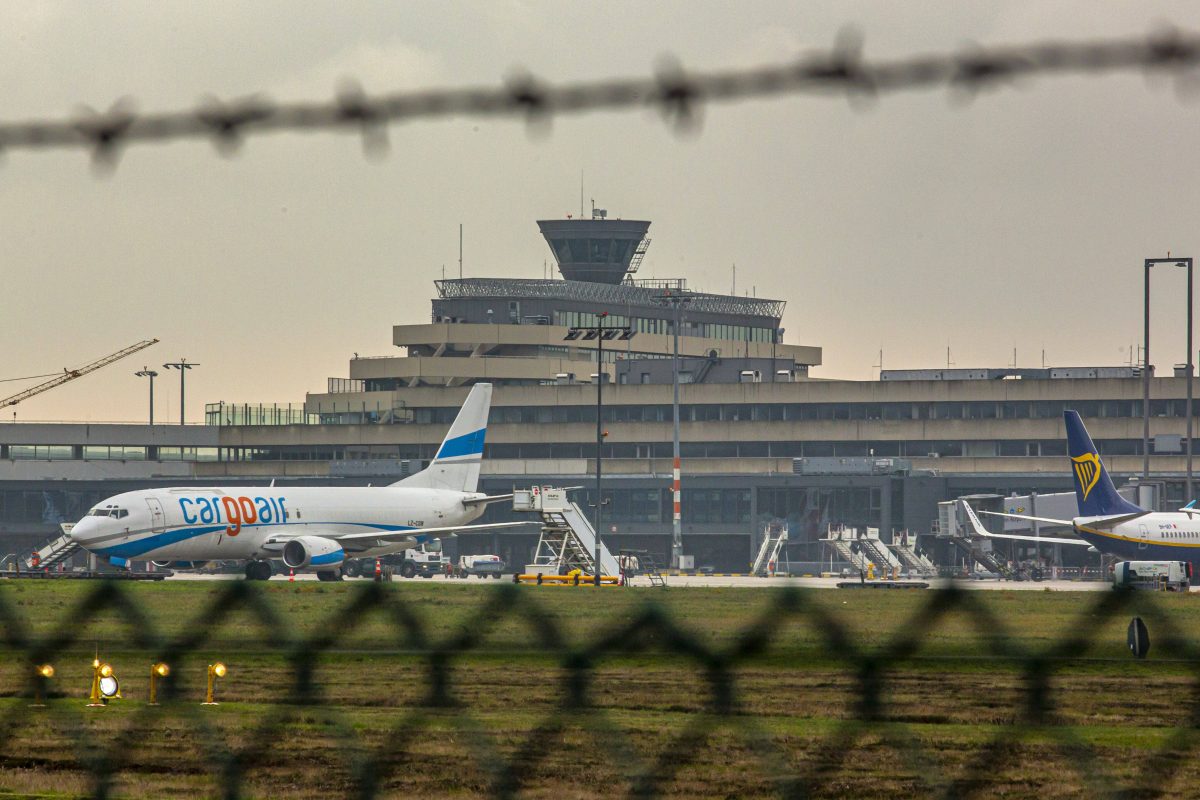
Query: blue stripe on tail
x=1094 y=490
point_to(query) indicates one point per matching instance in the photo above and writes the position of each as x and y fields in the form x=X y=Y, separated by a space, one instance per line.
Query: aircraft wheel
x=352 y=569
x=329 y=575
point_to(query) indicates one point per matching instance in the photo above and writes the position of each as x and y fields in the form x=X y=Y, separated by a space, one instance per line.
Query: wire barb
x=679 y=95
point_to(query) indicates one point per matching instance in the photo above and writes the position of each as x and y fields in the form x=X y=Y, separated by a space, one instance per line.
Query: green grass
x=955 y=693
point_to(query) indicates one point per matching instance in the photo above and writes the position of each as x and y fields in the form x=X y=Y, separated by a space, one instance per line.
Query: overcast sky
x=1019 y=220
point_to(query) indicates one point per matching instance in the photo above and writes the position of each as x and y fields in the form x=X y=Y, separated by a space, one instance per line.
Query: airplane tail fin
x=1094 y=490
x=456 y=465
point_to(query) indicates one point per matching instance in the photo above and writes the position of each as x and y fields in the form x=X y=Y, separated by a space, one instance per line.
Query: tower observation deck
x=596 y=250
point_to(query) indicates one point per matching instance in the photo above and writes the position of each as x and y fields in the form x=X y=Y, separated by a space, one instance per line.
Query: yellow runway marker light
x=158 y=670
x=105 y=686
x=215 y=671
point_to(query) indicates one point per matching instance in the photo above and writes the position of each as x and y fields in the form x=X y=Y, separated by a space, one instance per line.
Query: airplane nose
x=83 y=530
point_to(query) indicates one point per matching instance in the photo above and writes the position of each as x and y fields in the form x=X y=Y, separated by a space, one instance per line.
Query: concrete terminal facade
x=761 y=438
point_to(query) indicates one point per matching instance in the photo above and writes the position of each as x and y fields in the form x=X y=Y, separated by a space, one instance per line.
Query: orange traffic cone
x=378 y=570
x=291 y=575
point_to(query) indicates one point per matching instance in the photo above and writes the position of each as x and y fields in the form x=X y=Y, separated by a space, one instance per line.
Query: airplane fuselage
x=1156 y=536
x=241 y=522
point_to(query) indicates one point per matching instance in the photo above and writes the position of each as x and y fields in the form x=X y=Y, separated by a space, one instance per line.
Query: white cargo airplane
x=310 y=528
x=1108 y=522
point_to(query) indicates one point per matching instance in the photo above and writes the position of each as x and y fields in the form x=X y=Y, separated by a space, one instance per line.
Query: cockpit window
x=109 y=511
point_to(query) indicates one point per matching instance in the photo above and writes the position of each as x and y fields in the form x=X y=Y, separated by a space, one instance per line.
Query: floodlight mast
x=599 y=332
x=677 y=300
x=183 y=366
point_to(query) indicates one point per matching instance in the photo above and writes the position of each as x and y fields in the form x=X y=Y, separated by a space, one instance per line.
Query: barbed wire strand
x=677 y=93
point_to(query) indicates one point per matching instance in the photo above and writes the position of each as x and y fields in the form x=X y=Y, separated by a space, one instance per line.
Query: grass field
x=563 y=692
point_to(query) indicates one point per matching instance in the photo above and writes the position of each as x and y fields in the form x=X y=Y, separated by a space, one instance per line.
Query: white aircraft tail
x=456 y=465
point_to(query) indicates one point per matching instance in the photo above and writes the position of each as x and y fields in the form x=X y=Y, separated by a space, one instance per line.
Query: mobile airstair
x=568 y=538
x=845 y=543
x=56 y=552
x=904 y=545
x=877 y=551
x=775 y=538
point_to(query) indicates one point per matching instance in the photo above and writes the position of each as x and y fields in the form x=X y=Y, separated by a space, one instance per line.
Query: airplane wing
x=1048 y=520
x=979 y=530
x=483 y=501
x=1047 y=539
x=411 y=532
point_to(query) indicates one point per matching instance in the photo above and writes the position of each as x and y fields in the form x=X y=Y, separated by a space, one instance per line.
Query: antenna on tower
x=581 y=194
x=460 y=251
x=733 y=288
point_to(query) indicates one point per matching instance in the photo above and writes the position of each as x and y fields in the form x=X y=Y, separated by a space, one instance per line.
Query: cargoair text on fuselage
x=1107 y=521
x=313 y=528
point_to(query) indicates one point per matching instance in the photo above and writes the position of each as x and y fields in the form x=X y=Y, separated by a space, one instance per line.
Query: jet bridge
x=568 y=539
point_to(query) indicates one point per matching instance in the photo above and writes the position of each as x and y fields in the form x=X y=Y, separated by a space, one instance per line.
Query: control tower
x=597 y=250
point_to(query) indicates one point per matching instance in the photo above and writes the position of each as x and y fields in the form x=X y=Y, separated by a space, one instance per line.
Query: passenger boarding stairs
x=56 y=552
x=774 y=539
x=904 y=545
x=878 y=552
x=843 y=543
x=568 y=538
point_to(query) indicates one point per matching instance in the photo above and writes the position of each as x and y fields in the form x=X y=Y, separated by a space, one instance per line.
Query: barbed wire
x=719 y=670
x=676 y=92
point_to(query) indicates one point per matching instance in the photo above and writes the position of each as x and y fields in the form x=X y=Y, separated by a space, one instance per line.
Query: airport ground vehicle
x=483 y=566
x=1171 y=576
x=425 y=561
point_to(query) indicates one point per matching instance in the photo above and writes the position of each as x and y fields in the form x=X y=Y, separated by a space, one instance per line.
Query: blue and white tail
x=1094 y=490
x=456 y=465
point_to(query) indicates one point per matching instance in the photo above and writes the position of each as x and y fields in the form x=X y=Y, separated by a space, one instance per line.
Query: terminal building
x=763 y=437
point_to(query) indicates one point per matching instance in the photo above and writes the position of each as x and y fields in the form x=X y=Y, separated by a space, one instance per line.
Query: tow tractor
x=425 y=561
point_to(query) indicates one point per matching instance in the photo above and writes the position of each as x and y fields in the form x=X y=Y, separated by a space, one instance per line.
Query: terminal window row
x=709 y=330
x=807 y=412
x=917 y=448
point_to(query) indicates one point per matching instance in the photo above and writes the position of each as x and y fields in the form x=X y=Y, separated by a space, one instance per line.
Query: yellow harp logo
x=1087 y=469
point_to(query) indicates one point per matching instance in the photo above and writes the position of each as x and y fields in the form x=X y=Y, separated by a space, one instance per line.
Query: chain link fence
x=331 y=714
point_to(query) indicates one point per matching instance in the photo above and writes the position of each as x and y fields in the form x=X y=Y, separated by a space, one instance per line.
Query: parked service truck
x=1170 y=576
x=425 y=561
x=483 y=566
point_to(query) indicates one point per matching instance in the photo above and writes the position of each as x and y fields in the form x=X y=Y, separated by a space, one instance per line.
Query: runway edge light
x=41 y=673
x=215 y=670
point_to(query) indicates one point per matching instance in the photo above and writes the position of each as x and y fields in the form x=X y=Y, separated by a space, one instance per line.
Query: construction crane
x=71 y=374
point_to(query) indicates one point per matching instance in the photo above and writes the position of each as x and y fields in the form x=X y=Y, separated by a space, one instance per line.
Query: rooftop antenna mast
x=581 y=194
x=460 y=251
x=733 y=288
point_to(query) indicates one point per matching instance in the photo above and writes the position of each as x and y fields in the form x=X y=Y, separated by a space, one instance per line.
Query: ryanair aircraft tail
x=456 y=465
x=1094 y=490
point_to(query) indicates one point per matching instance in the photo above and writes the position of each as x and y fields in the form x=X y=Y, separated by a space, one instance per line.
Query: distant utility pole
x=183 y=366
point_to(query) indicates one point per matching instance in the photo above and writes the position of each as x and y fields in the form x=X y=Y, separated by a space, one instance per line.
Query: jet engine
x=312 y=551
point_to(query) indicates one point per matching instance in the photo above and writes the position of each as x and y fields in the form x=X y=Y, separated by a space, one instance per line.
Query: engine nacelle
x=313 y=551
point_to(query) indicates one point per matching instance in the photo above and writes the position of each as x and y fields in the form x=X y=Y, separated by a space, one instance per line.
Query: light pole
x=677 y=301
x=1179 y=262
x=151 y=374
x=600 y=333
x=183 y=366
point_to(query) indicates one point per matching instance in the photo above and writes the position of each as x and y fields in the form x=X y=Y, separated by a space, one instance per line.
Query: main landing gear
x=329 y=575
x=258 y=570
